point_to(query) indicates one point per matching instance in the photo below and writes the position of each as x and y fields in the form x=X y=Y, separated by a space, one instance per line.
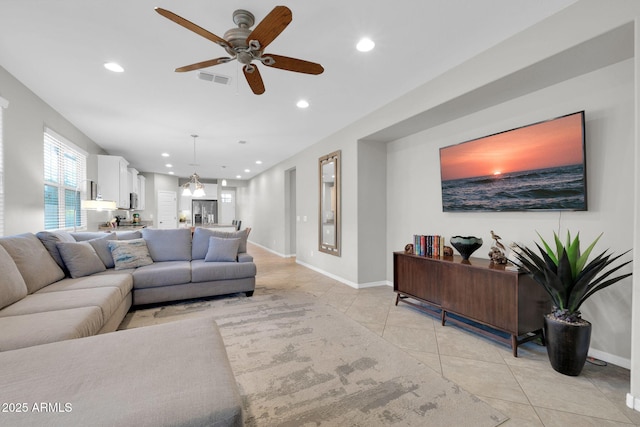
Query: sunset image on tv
x=536 y=167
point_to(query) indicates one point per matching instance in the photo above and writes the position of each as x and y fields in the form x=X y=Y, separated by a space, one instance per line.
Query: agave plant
x=566 y=276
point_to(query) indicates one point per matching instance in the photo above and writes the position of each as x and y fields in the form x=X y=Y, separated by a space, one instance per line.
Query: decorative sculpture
x=496 y=254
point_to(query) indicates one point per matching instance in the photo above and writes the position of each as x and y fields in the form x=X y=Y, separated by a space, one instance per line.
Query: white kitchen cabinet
x=133 y=180
x=113 y=180
x=142 y=192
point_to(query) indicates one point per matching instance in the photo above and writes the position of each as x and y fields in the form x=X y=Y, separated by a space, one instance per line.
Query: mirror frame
x=333 y=249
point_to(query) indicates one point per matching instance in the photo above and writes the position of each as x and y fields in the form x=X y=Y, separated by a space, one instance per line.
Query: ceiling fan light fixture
x=365 y=45
x=246 y=45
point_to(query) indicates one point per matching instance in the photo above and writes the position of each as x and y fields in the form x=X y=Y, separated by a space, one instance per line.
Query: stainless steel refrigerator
x=204 y=212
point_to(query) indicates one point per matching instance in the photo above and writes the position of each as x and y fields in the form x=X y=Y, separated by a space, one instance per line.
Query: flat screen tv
x=536 y=167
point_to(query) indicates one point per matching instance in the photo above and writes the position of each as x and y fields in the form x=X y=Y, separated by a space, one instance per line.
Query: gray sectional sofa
x=57 y=286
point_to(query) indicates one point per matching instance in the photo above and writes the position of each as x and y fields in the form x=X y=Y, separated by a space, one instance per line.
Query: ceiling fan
x=248 y=45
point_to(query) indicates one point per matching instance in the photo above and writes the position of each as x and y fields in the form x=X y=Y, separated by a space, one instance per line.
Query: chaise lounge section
x=174 y=374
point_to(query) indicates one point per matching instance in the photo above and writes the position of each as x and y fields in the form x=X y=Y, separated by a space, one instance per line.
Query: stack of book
x=428 y=245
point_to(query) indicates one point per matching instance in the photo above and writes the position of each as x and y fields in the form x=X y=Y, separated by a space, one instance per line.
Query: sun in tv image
x=535 y=167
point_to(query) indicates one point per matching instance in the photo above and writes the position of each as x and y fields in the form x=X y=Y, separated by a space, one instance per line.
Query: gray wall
x=607 y=97
x=157 y=182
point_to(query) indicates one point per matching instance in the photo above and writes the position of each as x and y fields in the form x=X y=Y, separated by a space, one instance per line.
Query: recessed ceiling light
x=112 y=66
x=165 y=154
x=247 y=170
x=170 y=172
x=302 y=104
x=169 y=165
x=238 y=176
x=258 y=162
x=365 y=45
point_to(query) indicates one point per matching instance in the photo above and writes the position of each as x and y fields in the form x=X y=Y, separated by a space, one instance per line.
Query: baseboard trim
x=610 y=358
x=342 y=279
x=633 y=402
x=270 y=250
x=326 y=273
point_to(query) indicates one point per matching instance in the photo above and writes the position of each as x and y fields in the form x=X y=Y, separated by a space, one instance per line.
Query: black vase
x=567 y=344
x=466 y=245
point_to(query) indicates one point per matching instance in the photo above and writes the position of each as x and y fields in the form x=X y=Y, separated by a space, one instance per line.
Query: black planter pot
x=567 y=344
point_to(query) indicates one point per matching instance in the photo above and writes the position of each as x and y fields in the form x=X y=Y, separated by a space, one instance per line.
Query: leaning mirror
x=329 y=215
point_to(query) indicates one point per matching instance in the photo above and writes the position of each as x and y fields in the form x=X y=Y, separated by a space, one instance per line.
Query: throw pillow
x=129 y=253
x=12 y=286
x=80 y=258
x=200 y=242
x=49 y=239
x=222 y=249
x=101 y=246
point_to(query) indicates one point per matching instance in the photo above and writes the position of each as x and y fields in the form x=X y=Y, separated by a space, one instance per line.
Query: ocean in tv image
x=535 y=167
x=555 y=188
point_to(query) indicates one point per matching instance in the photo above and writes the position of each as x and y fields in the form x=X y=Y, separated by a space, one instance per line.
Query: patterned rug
x=299 y=362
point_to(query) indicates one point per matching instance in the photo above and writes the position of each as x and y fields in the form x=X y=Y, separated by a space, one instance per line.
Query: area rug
x=299 y=362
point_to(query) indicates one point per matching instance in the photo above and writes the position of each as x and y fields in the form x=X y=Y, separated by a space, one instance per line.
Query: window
x=65 y=168
x=226 y=197
x=3 y=104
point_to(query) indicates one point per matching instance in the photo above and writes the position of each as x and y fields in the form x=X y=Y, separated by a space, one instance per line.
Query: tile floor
x=525 y=388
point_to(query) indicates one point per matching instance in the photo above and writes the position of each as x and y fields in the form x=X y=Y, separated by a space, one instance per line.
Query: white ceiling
x=58 y=48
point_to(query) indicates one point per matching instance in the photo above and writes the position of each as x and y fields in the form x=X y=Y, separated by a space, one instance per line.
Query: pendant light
x=194 y=178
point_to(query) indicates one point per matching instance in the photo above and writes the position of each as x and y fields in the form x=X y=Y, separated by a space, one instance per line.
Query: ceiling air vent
x=216 y=78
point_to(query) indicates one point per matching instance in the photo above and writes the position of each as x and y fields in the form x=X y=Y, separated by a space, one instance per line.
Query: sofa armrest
x=244 y=257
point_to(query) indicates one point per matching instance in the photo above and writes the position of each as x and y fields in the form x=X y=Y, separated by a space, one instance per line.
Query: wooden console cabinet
x=477 y=290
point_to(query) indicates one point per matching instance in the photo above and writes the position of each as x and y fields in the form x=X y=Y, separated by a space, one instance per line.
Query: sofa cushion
x=129 y=253
x=162 y=274
x=107 y=299
x=81 y=236
x=245 y=257
x=129 y=235
x=37 y=267
x=222 y=249
x=168 y=245
x=202 y=271
x=27 y=330
x=101 y=246
x=200 y=242
x=12 y=286
x=80 y=258
x=122 y=281
x=49 y=239
x=175 y=374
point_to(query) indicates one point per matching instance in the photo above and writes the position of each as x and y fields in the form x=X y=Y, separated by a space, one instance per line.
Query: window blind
x=3 y=104
x=65 y=170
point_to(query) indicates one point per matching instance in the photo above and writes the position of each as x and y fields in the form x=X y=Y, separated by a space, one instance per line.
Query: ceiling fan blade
x=254 y=79
x=271 y=26
x=204 y=64
x=292 y=64
x=191 y=26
